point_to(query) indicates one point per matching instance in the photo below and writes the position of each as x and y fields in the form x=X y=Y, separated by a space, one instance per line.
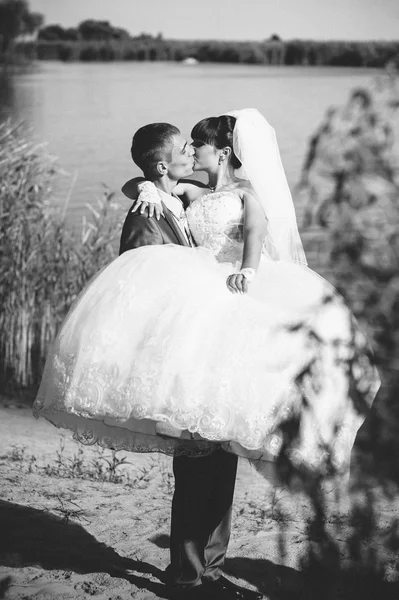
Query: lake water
x=88 y=112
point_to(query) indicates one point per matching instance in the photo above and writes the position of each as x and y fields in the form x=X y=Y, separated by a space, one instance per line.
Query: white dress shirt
x=175 y=205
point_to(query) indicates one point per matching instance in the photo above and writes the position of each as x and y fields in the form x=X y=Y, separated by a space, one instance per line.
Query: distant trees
x=90 y=30
x=342 y=54
x=31 y=22
x=53 y=33
x=16 y=20
x=94 y=40
x=100 y=40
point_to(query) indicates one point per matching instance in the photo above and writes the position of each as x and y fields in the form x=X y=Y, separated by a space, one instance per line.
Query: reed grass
x=44 y=264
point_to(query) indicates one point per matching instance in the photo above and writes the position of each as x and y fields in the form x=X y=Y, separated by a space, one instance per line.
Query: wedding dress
x=156 y=337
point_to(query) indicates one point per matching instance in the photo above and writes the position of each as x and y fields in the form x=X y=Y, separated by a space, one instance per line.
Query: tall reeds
x=43 y=263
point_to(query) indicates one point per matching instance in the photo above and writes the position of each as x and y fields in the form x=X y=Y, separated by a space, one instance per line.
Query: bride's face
x=206 y=157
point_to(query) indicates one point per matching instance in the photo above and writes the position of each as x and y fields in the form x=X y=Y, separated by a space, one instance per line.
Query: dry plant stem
x=44 y=265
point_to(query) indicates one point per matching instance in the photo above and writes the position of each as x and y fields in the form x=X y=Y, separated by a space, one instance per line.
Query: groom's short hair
x=152 y=143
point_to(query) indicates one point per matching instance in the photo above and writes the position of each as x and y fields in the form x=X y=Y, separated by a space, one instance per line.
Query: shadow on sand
x=322 y=575
x=314 y=582
x=34 y=537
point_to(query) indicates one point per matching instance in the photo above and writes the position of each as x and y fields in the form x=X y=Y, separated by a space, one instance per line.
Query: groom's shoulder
x=138 y=219
x=139 y=230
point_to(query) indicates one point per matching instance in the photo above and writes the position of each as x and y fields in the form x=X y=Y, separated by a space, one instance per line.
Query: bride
x=157 y=354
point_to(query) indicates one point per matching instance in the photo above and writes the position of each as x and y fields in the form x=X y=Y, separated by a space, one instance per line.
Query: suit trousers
x=201 y=517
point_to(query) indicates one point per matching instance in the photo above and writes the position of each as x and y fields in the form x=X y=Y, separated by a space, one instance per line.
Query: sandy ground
x=72 y=538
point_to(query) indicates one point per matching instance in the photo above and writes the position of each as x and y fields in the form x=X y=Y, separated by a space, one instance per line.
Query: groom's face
x=182 y=158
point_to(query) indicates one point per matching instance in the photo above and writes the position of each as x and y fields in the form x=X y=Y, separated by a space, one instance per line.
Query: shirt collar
x=172 y=202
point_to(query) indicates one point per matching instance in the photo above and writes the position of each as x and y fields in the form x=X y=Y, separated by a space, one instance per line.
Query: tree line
x=94 y=40
x=148 y=48
x=16 y=20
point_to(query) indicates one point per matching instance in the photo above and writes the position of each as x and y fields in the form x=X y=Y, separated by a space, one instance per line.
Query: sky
x=233 y=19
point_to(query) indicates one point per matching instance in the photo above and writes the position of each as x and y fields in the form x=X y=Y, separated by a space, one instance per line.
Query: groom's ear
x=162 y=168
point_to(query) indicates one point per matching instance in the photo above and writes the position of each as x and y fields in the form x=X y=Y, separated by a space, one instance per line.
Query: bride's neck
x=223 y=177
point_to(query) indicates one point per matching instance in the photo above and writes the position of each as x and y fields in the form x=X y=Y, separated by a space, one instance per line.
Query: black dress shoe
x=199 y=592
x=227 y=590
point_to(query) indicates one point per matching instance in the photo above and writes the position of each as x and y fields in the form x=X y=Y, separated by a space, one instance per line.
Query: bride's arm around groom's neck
x=130 y=188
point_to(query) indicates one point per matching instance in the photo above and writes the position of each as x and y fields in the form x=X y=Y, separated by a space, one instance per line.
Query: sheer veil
x=255 y=145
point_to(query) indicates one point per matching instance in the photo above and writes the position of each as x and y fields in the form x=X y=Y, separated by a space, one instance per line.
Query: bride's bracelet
x=248 y=273
x=148 y=192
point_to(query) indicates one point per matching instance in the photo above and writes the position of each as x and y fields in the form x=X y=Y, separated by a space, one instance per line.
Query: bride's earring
x=222 y=157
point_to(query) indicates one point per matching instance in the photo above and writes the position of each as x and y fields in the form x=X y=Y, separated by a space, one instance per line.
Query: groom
x=204 y=485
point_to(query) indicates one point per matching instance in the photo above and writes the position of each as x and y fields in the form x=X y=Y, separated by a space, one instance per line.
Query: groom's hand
x=237 y=284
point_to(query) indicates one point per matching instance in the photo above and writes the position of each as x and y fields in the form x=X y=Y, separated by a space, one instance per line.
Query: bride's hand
x=148 y=200
x=151 y=208
x=237 y=283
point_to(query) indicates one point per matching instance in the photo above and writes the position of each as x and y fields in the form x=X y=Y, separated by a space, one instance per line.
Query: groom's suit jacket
x=140 y=230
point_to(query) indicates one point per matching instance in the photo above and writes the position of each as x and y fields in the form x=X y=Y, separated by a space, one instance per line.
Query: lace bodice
x=216 y=222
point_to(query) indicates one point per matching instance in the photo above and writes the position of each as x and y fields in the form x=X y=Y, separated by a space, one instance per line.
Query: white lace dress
x=156 y=337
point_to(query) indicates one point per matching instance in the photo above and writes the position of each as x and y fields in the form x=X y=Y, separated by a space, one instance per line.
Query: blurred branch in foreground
x=350 y=185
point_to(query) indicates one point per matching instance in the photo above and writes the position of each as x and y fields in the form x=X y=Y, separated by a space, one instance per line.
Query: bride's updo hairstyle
x=218 y=132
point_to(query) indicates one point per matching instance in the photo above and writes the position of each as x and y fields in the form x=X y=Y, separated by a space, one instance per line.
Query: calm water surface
x=88 y=112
